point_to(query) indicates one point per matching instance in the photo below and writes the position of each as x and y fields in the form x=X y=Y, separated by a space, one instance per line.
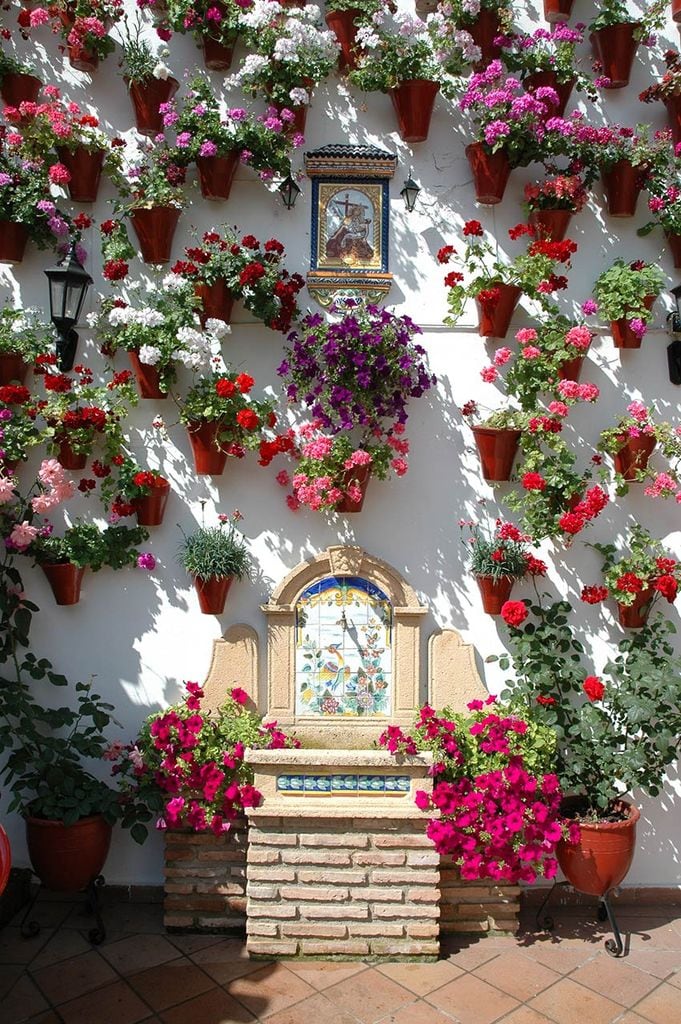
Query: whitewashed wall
x=142 y=634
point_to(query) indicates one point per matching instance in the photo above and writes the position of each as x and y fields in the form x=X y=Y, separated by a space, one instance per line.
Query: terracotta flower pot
x=217 y=301
x=557 y=10
x=623 y=185
x=484 y=31
x=673 y=105
x=66 y=455
x=495 y=317
x=497 y=449
x=602 y=856
x=82 y=59
x=155 y=229
x=622 y=334
x=494 y=593
x=676 y=10
x=18 y=88
x=151 y=508
x=5 y=860
x=299 y=111
x=13 y=369
x=65 y=579
x=13 y=239
x=413 y=102
x=490 y=173
x=147 y=96
x=213 y=593
x=66 y=858
x=549 y=78
x=86 y=172
x=342 y=24
x=674 y=243
x=147 y=377
x=571 y=369
x=634 y=616
x=359 y=475
x=634 y=455
x=615 y=47
x=551 y=225
x=209 y=458
x=218 y=56
x=216 y=174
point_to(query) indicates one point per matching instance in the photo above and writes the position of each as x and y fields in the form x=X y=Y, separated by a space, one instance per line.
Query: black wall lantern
x=289 y=192
x=69 y=282
x=674 y=349
x=410 y=192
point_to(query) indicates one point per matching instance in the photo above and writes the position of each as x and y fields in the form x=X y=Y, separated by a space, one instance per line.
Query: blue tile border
x=342 y=784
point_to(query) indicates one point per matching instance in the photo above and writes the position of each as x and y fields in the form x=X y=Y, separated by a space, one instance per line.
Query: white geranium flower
x=190 y=336
x=218 y=328
x=161 y=71
x=299 y=97
x=173 y=283
x=92 y=319
x=149 y=354
x=120 y=317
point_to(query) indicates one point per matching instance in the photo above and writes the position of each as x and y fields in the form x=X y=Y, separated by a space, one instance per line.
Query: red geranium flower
x=252 y=273
x=593 y=688
x=225 y=387
x=514 y=613
x=546 y=702
x=533 y=482
x=594 y=595
x=444 y=253
x=630 y=583
x=667 y=586
x=247 y=419
x=472 y=227
x=244 y=382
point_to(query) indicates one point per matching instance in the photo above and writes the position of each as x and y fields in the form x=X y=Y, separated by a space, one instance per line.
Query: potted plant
x=83 y=26
x=627 y=159
x=152 y=196
x=668 y=90
x=625 y=294
x=344 y=17
x=18 y=84
x=215 y=25
x=25 y=212
x=631 y=442
x=224 y=268
x=148 y=78
x=215 y=556
x=144 y=490
x=498 y=557
x=636 y=580
x=664 y=204
x=485 y=20
x=18 y=430
x=547 y=60
x=23 y=337
x=550 y=204
x=411 y=60
x=615 y=37
x=557 y=10
x=497 y=437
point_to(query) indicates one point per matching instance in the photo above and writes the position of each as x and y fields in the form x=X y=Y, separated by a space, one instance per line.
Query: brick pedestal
x=476 y=907
x=205 y=880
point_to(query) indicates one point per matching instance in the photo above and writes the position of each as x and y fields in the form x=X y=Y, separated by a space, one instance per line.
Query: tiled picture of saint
x=349 y=228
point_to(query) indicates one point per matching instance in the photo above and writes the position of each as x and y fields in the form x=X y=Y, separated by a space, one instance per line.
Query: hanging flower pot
x=82 y=59
x=634 y=616
x=674 y=243
x=155 y=228
x=540 y=79
x=216 y=174
x=147 y=96
x=213 y=593
x=218 y=56
x=65 y=579
x=634 y=455
x=360 y=476
x=342 y=24
x=494 y=593
x=622 y=334
x=147 y=377
x=602 y=856
x=413 y=101
x=85 y=168
x=550 y=225
x=571 y=369
x=209 y=458
x=615 y=47
x=676 y=10
x=622 y=183
x=18 y=88
x=497 y=449
x=484 y=31
x=495 y=314
x=13 y=239
x=217 y=301
x=557 y=10
x=299 y=111
x=151 y=508
x=490 y=173
x=673 y=105
x=13 y=369
x=5 y=860
x=67 y=456
x=67 y=858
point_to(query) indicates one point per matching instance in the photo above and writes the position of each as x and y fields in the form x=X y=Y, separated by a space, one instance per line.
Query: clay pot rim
x=480 y=428
x=54 y=823
x=633 y=815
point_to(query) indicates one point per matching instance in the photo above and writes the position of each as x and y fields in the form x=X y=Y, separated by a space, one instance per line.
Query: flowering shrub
x=83 y=24
x=664 y=193
x=225 y=398
x=498 y=800
x=547 y=50
x=500 y=553
x=465 y=12
x=637 y=423
x=157 y=181
x=18 y=432
x=216 y=551
x=203 y=18
x=23 y=333
x=647 y=568
x=606 y=146
x=187 y=765
x=506 y=418
x=140 y=62
x=622 y=289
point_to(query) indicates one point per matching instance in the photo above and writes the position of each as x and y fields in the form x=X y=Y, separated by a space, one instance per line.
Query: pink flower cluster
x=57 y=486
x=573 y=391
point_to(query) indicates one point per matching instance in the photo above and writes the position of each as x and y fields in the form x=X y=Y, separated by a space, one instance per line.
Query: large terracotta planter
x=13 y=369
x=413 y=102
x=634 y=455
x=67 y=456
x=622 y=183
x=147 y=96
x=67 y=858
x=615 y=47
x=65 y=579
x=674 y=245
x=673 y=105
x=342 y=24
x=494 y=593
x=359 y=475
x=147 y=377
x=217 y=301
x=497 y=449
x=5 y=860
x=495 y=317
x=551 y=225
x=490 y=173
x=549 y=78
x=209 y=458
x=86 y=172
x=676 y=10
x=602 y=856
x=484 y=31
x=155 y=229
x=13 y=239
x=212 y=593
x=634 y=616
x=557 y=10
x=622 y=334
x=17 y=88
x=216 y=174
x=151 y=508
x=218 y=56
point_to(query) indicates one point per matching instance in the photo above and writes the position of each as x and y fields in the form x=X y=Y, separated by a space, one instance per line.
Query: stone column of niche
x=339 y=872
x=453 y=679
x=234 y=663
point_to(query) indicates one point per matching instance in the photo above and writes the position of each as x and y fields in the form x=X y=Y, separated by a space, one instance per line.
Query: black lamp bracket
x=66 y=344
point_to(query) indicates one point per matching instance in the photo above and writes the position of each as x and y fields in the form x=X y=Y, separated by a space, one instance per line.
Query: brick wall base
x=205 y=880
x=476 y=907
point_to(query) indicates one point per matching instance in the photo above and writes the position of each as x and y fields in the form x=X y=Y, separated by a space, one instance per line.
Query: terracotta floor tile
x=225 y=960
x=15 y=949
x=170 y=983
x=422 y=978
x=525 y=1015
x=64 y=944
x=316 y=1008
x=72 y=978
x=569 y=1003
x=517 y=974
x=134 y=919
x=468 y=956
x=46 y=913
x=214 y=1007
x=658 y=962
x=616 y=979
x=23 y=1001
x=663 y=1006
x=113 y=1004
x=418 y=1013
x=49 y=1017
x=471 y=1000
x=323 y=973
x=137 y=952
x=650 y=933
x=557 y=956
x=633 y=1018
x=9 y=976
x=188 y=944
x=370 y=996
x=269 y=989
x=675 y=979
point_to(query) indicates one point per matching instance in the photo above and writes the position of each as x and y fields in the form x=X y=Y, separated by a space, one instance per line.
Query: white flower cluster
x=471 y=7
x=127 y=315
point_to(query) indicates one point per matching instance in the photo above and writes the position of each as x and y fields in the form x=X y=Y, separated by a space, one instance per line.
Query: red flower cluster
x=533 y=482
x=630 y=583
x=251 y=273
x=150 y=480
x=59 y=382
x=593 y=688
x=514 y=613
x=14 y=394
x=281 y=445
x=594 y=595
x=225 y=387
x=557 y=252
x=115 y=270
x=474 y=228
x=248 y=419
x=88 y=416
x=488 y=295
x=588 y=508
x=444 y=253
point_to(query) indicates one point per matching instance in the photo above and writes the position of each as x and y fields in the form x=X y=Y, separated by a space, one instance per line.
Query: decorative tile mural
x=343 y=784
x=343 y=649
